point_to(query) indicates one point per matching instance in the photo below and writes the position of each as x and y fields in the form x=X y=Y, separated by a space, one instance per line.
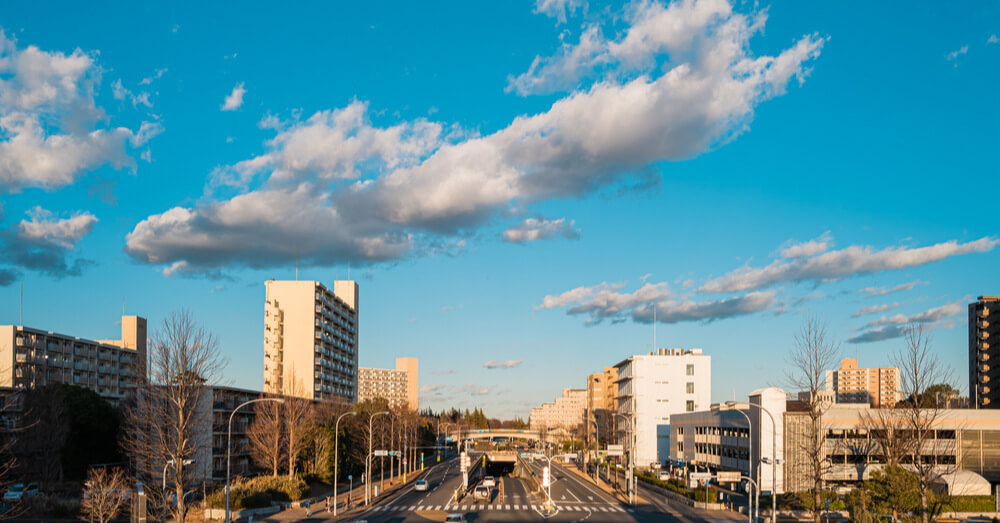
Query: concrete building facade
x=878 y=387
x=32 y=358
x=650 y=389
x=602 y=403
x=984 y=352
x=399 y=386
x=311 y=339
x=565 y=413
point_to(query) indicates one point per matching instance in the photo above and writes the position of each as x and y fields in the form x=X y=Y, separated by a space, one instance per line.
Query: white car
x=18 y=492
x=490 y=481
x=481 y=491
x=664 y=476
x=420 y=485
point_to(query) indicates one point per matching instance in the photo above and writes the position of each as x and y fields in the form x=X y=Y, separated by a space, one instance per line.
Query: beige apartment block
x=879 y=387
x=32 y=358
x=601 y=402
x=311 y=339
x=566 y=412
x=398 y=386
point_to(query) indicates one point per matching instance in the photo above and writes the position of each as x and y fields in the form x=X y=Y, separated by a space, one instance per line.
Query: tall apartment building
x=984 y=352
x=399 y=386
x=311 y=339
x=565 y=413
x=653 y=387
x=601 y=403
x=877 y=387
x=33 y=357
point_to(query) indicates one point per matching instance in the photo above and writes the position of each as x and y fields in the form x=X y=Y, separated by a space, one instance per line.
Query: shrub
x=259 y=492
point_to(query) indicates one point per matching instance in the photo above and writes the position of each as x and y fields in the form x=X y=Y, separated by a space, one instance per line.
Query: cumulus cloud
x=509 y=364
x=44 y=243
x=234 y=99
x=534 y=229
x=889 y=327
x=607 y=302
x=882 y=291
x=843 y=263
x=874 y=309
x=559 y=9
x=406 y=188
x=50 y=129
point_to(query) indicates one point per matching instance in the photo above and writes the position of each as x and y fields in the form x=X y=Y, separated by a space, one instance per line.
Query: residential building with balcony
x=602 y=400
x=984 y=352
x=32 y=358
x=878 y=387
x=653 y=387
x=399 y=386
x=564 y=415
x=311 y=339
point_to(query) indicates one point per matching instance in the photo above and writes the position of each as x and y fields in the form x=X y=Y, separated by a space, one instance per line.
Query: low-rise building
x=879 y=387
x=31 y=357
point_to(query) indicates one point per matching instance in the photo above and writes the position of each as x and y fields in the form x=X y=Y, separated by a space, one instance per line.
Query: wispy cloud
x=432 y=389
x=235 y=99
x=535 y=229
x=874 y=309
x=993 y=39
x=809 y=248
x=509 y=364
x=882 y=291
x=952 y=56
x=889 y=327
x=836 y=265
x=156 y=76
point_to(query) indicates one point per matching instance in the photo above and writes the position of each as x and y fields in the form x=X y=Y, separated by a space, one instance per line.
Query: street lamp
x=774 y=462
x=749 y=459
x=336 y=452
x=165 y=465
x=597 y=453
x=229 y=441
x=368 y=471
x=631 y=457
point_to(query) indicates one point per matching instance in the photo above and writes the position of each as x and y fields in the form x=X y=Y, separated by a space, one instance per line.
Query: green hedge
x=259 y=492
x=698 y=494
x=969 y=504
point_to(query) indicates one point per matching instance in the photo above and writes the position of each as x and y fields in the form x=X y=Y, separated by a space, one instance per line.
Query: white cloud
x=843 y=263
x=889 y=327
x=509 y=364
x=431 y=389
x=955 y=54
x=993 y=39
x=559 y=9
x=873 y=309
x=882 y=291
x=235 y=99
x=49 y=132
x=409 y=194
x=809 y=248
x=156 y=76
x=44 y=242
x=534 y=229
x=606 y=302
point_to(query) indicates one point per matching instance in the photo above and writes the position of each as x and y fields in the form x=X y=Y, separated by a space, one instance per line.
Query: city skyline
x=179 y=162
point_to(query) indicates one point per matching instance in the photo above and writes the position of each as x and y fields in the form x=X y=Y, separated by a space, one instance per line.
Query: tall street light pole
x=229 y=442
x=732 y=406
x=165 y=465
x=336 y=456
x=368 y=471
x=774 y=460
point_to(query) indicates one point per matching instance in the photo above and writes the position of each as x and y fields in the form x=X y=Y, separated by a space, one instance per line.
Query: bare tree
x=170 y=416
x=105 y=493
x=889 y=435
x=920 y=369
x=296 y=410
x=813 y=354
x=266 y=435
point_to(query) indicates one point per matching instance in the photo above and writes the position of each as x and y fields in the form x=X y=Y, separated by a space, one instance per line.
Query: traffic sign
x=616 y=450
x=728 y=476
x=381 y=453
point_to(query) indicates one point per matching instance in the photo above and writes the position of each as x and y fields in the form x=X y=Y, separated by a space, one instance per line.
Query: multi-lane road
x=575 y=499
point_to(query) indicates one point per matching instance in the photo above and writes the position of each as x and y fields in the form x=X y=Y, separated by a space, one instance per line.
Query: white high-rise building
x=311 y=339
x=651 y=388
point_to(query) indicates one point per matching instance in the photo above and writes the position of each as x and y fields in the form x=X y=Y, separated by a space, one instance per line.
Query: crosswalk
x=512 y=507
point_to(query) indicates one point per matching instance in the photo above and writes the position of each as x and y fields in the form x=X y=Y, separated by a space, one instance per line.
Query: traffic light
x=545 y=476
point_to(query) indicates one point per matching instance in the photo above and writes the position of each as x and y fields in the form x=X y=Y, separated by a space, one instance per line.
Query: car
x=482 y=492
x=19 y=491
x=664 y=476
x=490 y=481
x=455 y=518
x=420 y=485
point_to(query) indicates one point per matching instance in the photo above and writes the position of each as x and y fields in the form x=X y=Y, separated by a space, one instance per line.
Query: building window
x=690 y=369
x=690 y=406
x=690 y=387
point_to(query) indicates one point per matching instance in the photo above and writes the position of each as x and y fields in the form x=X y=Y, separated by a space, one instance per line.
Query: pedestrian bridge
x=495 y=433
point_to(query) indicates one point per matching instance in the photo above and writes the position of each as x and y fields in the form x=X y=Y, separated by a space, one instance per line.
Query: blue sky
x=517 y=183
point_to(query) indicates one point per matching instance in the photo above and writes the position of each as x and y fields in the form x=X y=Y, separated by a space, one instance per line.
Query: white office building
x=654 y=387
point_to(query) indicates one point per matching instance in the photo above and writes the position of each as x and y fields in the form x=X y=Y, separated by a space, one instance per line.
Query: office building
x=652 y=388
x=33 y=358
x=984 y=352
x=398 y=386
x=877 y=387
x=601 y=403
x=565 y=414
x=720 y=438
x=311 y=340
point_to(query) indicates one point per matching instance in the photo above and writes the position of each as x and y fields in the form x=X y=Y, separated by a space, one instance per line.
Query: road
x=575 y=499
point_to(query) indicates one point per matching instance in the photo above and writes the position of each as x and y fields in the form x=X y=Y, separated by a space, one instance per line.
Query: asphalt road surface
x=575 y=499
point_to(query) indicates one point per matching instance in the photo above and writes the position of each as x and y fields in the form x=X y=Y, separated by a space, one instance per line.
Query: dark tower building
x=984 y=353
